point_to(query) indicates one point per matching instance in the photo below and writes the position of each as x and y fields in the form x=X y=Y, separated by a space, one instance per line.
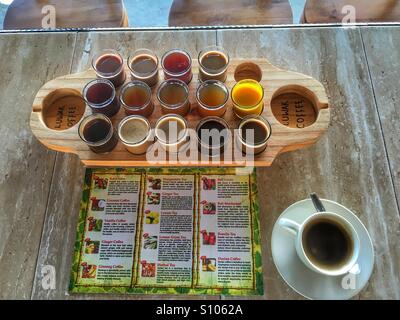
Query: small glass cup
x=135 y=134
x=253 y=134
x=171 y=131
x=177 y=64
x=173 y=96
x=212 y=136
x=109 y=64
x=143 y=64
x=213 y=64
x=248 y=98
x=100 y=96
x=98 y=133
x=212 y=97
x=135 y=98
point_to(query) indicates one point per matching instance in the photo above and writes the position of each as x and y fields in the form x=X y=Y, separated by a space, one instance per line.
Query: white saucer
x=300 y=278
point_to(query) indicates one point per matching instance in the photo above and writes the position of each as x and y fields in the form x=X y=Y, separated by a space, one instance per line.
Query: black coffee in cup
x=327 y=244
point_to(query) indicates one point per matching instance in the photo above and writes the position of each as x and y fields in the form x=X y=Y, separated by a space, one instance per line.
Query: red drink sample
x=110 y=65
x=101 y=97
x=177 y=64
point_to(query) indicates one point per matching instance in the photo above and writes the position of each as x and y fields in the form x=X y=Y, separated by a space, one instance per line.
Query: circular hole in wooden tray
x=294 y=110
x=248 y=70
x=63 y=109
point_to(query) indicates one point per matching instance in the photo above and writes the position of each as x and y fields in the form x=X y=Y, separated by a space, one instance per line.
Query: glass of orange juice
x=248 y=98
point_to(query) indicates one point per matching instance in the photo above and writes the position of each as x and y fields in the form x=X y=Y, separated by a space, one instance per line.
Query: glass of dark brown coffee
x=100 y=95
x=212 y=136
x=109 y=64
x=253 y=134
x=98 y=133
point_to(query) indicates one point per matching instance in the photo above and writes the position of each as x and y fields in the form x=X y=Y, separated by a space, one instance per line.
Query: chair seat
x=27 y=14
x=330 y=11
x=227 y=12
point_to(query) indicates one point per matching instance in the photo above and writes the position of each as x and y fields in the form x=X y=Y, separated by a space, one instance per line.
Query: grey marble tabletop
x=357 y=163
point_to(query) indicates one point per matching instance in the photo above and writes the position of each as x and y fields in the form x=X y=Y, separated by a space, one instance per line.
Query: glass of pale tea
x=171 y=131
x=135 y=98
x=212 y=136
x=135 y=134
x=109 y=64
x=98 y=133
x=253 y=134
x=173 y=96
x=143 y=64
x=212 y=97
x=213 y=64
x=177 y=64
x=100 y=95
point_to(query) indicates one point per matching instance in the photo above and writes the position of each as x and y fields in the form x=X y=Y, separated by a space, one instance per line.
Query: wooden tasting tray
x=295 y=99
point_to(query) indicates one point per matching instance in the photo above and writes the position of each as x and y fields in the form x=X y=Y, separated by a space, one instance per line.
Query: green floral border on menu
x=257 y=258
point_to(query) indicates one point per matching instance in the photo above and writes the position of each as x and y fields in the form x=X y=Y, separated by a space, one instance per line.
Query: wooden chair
x=27 y=14
x=330 y=11
x=227 y=12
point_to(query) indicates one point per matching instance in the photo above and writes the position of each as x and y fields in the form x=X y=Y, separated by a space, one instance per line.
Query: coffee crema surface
x=327 y=244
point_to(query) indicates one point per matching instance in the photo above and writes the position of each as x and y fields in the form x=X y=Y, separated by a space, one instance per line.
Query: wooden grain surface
x=226 y=12
x=351 y=164
x=277 y=84
x=330 y=11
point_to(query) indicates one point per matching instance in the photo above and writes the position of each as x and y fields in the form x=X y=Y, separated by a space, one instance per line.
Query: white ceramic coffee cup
x=298 y=230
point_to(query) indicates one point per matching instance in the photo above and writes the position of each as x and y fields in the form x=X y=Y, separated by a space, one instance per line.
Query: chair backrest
x=333 y=11
x=228 y=12
x=27 y=14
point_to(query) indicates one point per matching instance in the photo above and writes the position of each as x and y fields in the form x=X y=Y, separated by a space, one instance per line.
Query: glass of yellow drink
x=248 y=98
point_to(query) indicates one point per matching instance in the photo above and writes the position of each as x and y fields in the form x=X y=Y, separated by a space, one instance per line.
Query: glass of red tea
x=213 y=64
x=143 y=64
x=177 y=64
x=212 y=136
x=98 y=133
x=171 y=131
x=253 y=134
x=212 y=97
x=109 y=64
x=100 y=96
x=135 y=98
x=173 y=95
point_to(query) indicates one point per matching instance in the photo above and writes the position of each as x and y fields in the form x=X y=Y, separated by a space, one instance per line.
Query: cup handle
x=290 y=225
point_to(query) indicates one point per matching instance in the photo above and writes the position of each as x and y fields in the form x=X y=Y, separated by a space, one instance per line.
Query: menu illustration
x=188 y=231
